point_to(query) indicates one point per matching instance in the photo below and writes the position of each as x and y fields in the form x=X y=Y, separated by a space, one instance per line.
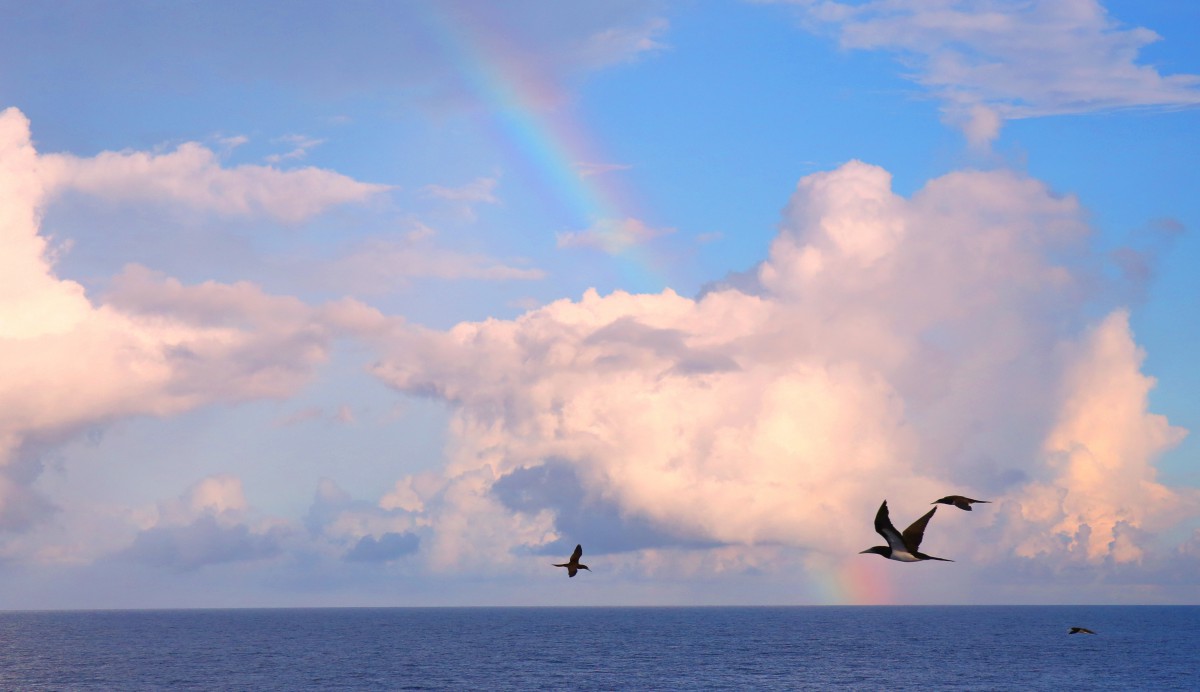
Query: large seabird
x=958 y=501
x=901 y=546
x=573 y=565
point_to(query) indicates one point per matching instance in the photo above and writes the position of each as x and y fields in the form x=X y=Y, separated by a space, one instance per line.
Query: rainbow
x=850 y=582
x=518 y=97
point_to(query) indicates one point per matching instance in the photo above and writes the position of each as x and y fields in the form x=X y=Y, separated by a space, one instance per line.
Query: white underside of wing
x=895 y=542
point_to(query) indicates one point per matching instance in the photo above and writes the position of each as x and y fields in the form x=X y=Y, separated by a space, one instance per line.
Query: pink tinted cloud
x=193 y=176
x=153 y=346
x=898 y=348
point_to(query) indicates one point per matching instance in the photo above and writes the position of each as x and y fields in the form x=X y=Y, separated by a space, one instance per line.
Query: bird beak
x=863 y=552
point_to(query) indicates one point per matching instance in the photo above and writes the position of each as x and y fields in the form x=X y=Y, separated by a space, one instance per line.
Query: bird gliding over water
x=958 y=501
x=901 y=547
x=573 y=565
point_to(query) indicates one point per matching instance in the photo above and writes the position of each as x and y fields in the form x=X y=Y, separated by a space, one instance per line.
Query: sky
x=393 y=304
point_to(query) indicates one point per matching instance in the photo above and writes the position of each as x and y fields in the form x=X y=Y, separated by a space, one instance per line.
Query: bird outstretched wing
x=577 y=554
x=883 y=526
x=916 y=531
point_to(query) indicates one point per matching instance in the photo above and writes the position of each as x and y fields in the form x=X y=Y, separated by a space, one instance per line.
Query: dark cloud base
x=596 y=523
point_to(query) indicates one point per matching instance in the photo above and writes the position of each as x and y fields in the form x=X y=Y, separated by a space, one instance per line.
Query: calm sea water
x=977 y=648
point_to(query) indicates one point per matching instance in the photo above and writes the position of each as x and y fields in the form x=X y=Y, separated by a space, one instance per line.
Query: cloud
x=996 y=60
x=328 y=501
x=244 y=343
x=555 y=486
x=231 y=142
x=612 y=236
x=1138 y=260
x=623 y=43
x=465 y=198
x=478 y=190
x=21 y=506
x=203 y=542
x=204 y=526
x=219 y=495
x=887 y=347
x=192 y=176
x=300 y=146
x=153 y=346
x=382 y=265
x=386 y=548
x=374 y=533
x=1101 y=453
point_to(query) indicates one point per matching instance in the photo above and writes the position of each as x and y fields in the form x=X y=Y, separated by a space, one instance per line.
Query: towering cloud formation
x=1100 y=451
x=953 y=341
x=891 y=347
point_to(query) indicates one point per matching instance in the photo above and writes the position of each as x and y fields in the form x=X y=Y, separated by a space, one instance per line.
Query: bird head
x=877 y=550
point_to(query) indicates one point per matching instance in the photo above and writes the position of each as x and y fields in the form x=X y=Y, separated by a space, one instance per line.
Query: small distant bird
x=901 y=546
x=1080 y=630
x=958 y=501
x=573 y=565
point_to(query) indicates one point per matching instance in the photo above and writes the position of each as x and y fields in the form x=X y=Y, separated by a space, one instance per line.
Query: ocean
x=752 y=648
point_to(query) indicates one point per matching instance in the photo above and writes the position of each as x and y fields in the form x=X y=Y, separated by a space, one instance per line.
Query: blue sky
x=320 y=304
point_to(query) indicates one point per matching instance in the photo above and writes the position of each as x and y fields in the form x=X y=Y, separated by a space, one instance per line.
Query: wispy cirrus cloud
x=996 y=60
x=478 y=190
x=612 y=236
x=301 y=144
x=624 y=43
x=382 y=264
x=463 y=199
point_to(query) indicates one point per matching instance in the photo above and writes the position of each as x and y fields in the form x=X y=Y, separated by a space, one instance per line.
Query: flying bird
x=1080 y=630
x=573 y=565
x=958 y=501
x=901 y=546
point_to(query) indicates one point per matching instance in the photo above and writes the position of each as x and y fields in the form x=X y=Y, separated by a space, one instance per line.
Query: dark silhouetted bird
x=573 y=565
x=901 y=546
x=1080 y=630
x=958 y=501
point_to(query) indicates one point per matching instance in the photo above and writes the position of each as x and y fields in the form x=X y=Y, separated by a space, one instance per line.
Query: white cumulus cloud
x=888 y=347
